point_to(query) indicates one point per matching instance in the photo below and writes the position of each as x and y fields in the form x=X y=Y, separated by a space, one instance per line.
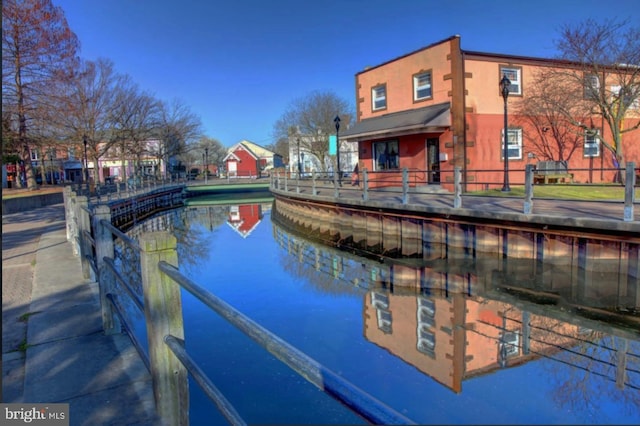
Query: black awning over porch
x=434 y=118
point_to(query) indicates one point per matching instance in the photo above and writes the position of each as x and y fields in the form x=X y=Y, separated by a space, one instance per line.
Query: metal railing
x=456 y=182
x=92 y=232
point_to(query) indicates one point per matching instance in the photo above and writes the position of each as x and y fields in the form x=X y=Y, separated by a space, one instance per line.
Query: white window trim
x=514 y=81
x=591 y=141
x=512 y=146
x=591 y=86
x=511 y=342
x=375 y=98
x=615 y=91
x=417 y=87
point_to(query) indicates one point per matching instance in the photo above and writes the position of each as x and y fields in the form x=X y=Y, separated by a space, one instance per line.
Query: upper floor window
x=514 y=144
x=379 y=97
x=422 y=86
x=591 y=143
x=591 y=86
x=626 y=95
x=514 y=74
x=35 y=155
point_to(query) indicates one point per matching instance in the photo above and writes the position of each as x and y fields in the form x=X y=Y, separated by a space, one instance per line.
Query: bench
x=545 y=178
x=551 y=172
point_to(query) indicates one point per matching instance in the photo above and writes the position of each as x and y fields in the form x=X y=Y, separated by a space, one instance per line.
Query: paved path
x=49 y=308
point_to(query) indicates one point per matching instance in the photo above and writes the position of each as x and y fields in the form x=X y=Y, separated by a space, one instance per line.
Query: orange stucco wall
x=398 y=76
x=480 y=135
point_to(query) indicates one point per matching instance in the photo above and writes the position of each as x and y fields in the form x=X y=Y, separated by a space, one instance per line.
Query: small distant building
x=249 y=160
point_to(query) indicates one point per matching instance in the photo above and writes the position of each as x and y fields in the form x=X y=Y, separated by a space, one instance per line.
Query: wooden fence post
x=314 y=190
x=629 y=188
x=82 y=213
x=106 y=280
x=365 y=184
x=163 y=314
x=405 y=185
x=528 y=189
x=457 y=188
x=67 y=196
x=72 y=222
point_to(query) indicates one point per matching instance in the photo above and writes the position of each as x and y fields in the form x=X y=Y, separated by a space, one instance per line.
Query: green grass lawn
x=574 y=192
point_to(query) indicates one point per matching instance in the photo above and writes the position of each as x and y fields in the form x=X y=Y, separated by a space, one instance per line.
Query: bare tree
x=38 y=52
x=312 y=118
x=280 y=147
x=86 y=109
x=605 y=71
x=177 y=128
x=212 y=149
x=553 y=112
x=136 y=119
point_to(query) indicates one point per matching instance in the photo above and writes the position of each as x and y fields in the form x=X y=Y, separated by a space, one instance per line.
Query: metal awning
x=434 y=118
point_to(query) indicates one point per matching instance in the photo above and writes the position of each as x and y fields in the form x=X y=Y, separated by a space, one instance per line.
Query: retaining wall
x=31 y=202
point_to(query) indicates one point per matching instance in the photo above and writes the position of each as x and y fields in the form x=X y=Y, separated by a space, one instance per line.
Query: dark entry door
x=433 y=160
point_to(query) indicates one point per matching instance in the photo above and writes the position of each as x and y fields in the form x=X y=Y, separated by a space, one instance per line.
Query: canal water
x=480 y=353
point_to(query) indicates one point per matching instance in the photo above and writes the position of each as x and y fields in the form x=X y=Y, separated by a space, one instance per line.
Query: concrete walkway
x=53 y=347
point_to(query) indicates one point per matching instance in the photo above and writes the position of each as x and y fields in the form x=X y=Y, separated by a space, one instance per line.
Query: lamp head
x=504 y=86
x=337 y=121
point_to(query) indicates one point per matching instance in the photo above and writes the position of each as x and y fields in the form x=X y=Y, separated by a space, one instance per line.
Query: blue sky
x=238 y=64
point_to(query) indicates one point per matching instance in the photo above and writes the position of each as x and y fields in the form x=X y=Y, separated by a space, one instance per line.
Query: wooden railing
x=94 y=238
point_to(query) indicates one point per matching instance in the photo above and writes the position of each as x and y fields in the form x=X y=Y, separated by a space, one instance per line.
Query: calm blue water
x=321 y=304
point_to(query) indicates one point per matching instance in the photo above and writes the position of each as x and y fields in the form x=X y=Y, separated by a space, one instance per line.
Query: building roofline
x=469 y=54
x=408 y=54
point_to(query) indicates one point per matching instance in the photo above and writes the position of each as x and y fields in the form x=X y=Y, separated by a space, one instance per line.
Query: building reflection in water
x=455 y=320
x=453 y=313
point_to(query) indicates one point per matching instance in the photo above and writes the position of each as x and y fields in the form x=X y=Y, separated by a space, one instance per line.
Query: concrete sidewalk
x=52 y=311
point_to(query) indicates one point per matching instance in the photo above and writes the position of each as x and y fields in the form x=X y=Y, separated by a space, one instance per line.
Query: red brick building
x=440 y=107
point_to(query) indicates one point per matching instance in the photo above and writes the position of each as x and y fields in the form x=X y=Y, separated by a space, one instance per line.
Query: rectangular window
x=386 y=155
x=422 y=86
x=514 y=141
x=379 y=97
x=510 y=343
x=514 y=74
x=591 y=143
x=591 y=86
x=380 y=302
x=426 y=341
x=34 y=155
x=71 y=153
x=629 y=101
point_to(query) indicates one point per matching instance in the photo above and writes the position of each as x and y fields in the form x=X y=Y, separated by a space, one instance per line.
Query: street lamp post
x=51 y=158
x=337 y=121
x=299 y=161
x=504 y=89
x=302 y=162
x=206 y=164
x=86 y=163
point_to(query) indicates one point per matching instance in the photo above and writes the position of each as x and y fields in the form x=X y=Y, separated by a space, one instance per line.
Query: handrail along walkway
x=162 y=307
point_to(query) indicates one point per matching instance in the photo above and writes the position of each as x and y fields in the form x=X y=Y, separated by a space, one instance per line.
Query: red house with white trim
x=248 y=160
